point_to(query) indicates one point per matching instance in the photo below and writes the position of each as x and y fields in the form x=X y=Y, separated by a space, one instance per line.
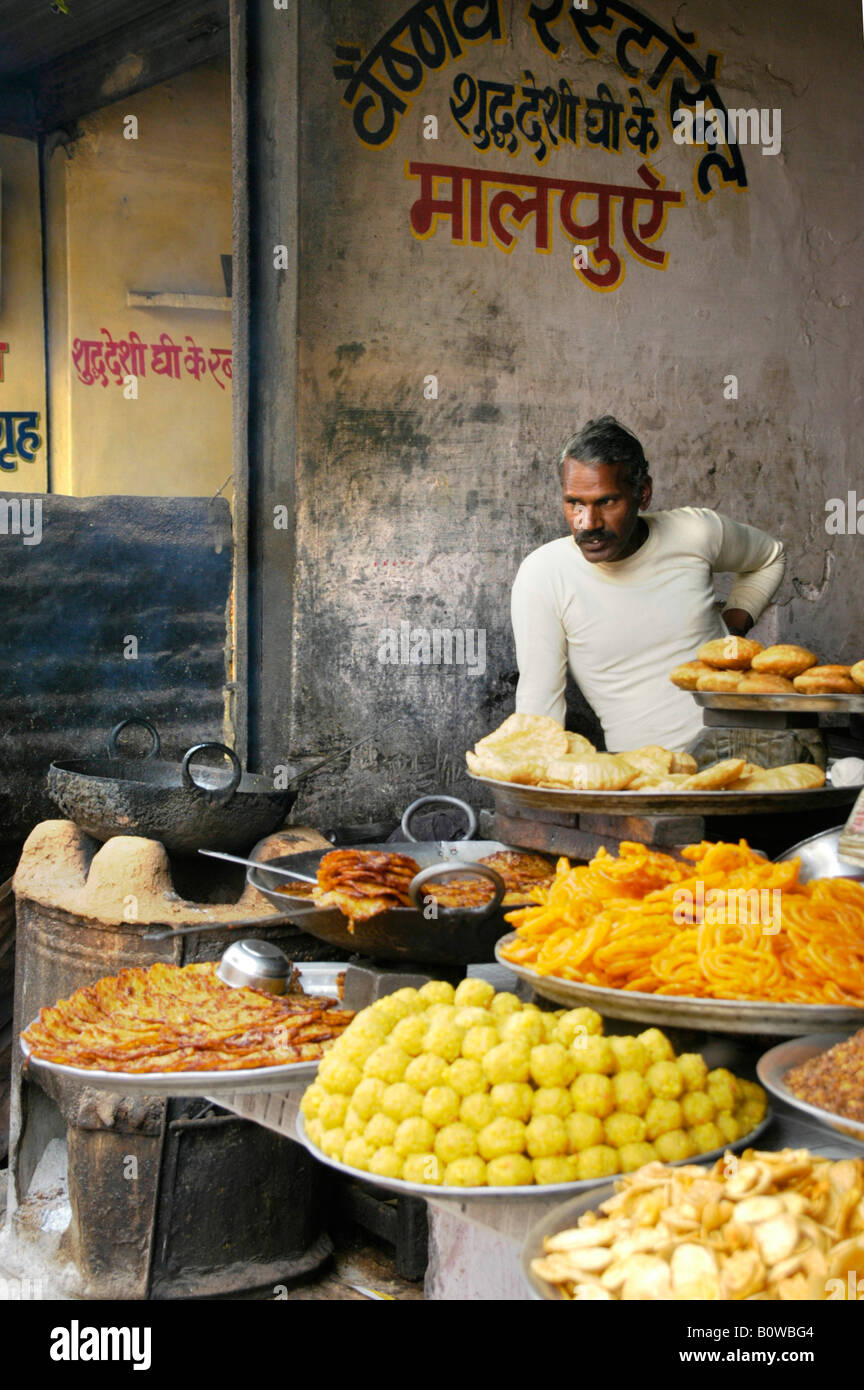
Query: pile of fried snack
x=721 y=922
x=745 y=667
x=172 y=1018
x=534 y=750
x=469 y=1088
x=782 y=1226
x=364 y=883
x=833 y=1080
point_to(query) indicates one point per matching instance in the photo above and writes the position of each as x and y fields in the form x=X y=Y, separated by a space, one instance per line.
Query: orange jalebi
x=721 y=922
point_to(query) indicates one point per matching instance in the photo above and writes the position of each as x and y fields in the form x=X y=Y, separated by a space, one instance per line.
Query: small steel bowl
x=820 y=857
x=255 y=965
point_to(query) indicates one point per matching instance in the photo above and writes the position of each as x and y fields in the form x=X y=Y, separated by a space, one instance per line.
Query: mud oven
x=143 y=1197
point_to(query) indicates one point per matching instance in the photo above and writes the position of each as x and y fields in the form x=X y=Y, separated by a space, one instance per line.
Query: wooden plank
x=167 y=299
x=649 y=830
x=152 y=49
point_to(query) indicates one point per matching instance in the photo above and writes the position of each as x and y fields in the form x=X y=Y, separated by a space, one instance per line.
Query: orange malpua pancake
x=172 y=1018
x=729 y=653
x=363 y=883
x=522 y=873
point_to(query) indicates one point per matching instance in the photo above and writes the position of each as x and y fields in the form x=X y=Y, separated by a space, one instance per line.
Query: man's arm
x=541 y=649
x=758 y=562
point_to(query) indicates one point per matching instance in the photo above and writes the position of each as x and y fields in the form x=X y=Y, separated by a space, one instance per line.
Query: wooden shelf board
x=166 y=299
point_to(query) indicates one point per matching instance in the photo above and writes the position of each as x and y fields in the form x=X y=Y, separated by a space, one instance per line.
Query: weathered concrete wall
x=149 y=213
x=419 y=510
x=22 y=361
x=107 y=570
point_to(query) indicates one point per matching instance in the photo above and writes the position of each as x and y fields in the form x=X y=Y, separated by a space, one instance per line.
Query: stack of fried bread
x=362 y=883
x=173 y=1018
x=534 y=750
x=744 y=667
x=522 y=873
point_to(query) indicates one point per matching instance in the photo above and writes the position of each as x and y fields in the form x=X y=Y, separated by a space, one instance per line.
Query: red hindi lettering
x=165 y=356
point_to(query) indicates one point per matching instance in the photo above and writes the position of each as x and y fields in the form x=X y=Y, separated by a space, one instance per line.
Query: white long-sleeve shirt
x=622 y=626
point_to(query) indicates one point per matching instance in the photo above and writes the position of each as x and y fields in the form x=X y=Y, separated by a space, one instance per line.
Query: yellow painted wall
x=153 y=214
x=21 y=319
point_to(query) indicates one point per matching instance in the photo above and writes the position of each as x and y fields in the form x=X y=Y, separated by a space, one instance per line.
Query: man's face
x=601 y=509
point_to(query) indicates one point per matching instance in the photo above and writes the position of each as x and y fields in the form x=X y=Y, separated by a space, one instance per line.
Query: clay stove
x=143 y=1197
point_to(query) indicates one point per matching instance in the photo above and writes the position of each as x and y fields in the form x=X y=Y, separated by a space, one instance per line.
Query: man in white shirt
x=628 y=595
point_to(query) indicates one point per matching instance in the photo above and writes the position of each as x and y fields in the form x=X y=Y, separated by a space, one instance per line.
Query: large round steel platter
x=317 y=978
x=774 y=1065
x=433 y=1192
x=780 y=704
x=711 y=803
x=566 y=1217
x=686 y=1011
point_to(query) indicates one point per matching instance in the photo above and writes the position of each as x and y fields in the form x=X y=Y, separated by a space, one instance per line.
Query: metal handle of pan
x=441 y=800
x=419 y=881
x=218 y=794
x=113 y=751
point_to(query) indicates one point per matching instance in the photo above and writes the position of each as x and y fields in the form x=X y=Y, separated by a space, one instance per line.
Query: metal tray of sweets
x=435 y=1192
x=686 y=1011
x=317 y=978
x=710 y=803
x=773 y=1066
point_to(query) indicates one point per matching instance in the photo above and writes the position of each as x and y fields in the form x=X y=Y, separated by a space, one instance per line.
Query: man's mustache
x=582 y=536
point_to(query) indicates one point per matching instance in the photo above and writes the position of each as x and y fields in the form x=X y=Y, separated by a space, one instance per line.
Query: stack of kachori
x=745 y=667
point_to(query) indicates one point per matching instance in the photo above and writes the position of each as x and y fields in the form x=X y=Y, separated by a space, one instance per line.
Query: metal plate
x=773 y=1066
x=317 y=977
x=461 y=1194
x=686 y=1011
x=565 y=1217
x=779 y=704
x=713 y=803
x=820 y=858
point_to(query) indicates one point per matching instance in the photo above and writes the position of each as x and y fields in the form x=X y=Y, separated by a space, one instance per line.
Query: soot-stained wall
x=736 y=360
x=115 y=606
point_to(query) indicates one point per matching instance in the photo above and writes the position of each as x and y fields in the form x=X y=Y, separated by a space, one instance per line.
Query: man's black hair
x=604 y=440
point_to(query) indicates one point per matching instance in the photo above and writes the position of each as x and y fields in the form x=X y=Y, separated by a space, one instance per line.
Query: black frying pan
x=452 y=936
x=227 y=808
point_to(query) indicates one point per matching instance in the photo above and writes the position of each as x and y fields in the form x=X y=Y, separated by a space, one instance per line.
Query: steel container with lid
x=255 y=965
